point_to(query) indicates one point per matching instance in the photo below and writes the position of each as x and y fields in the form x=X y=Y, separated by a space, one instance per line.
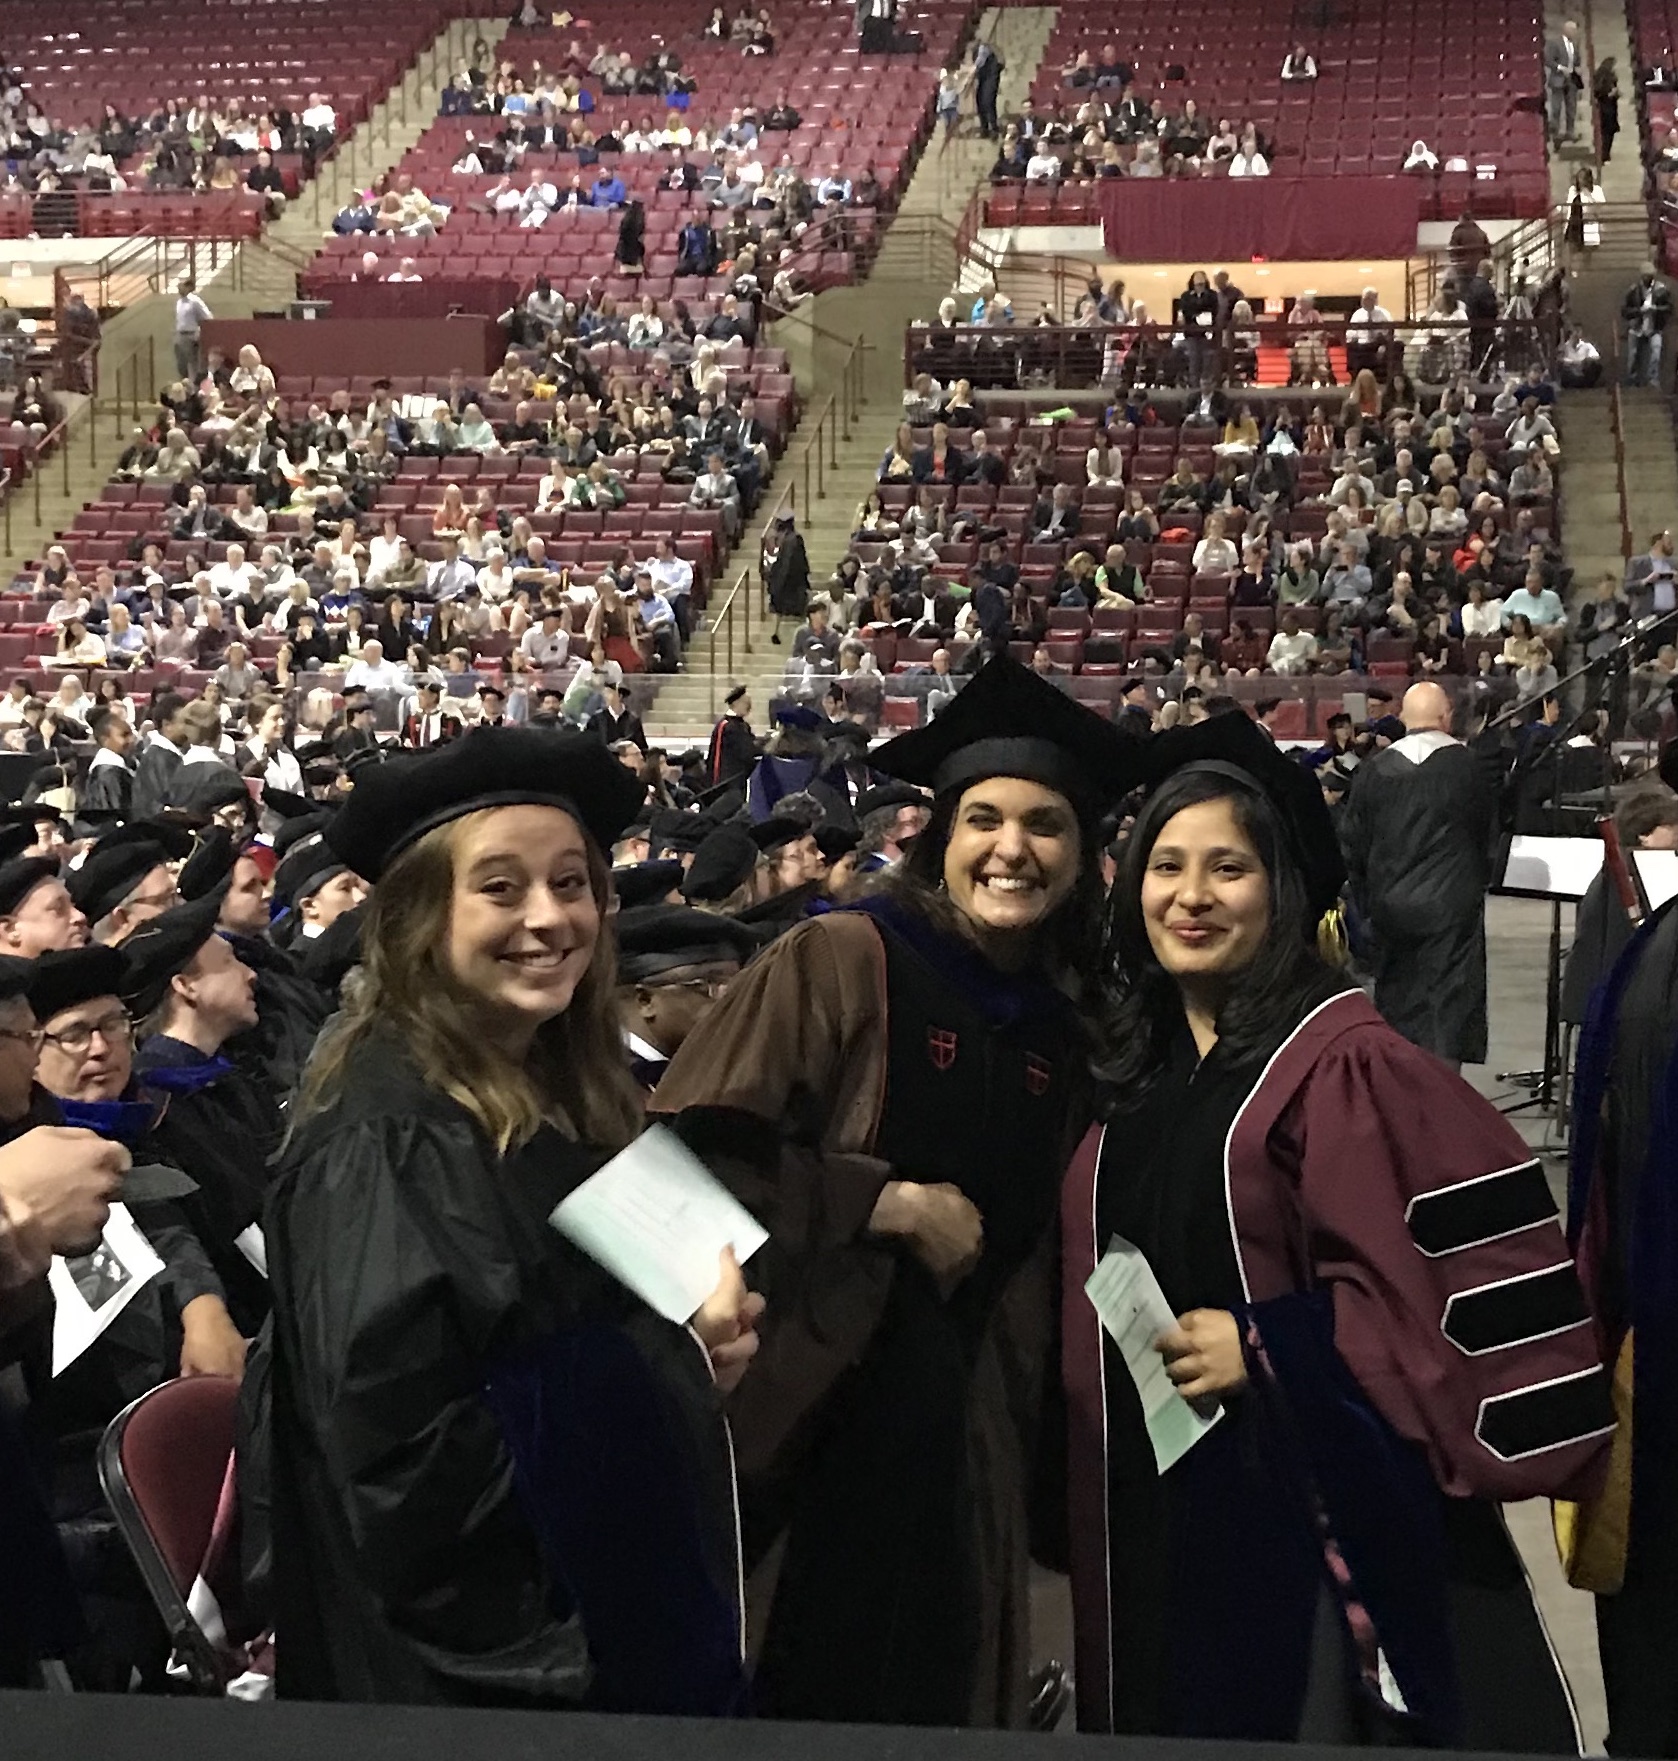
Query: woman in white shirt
x=476 y=435
x=554 y=491
x=78 y=646
x=1420 y=158
x=1104 y=463
x=1043 y=166
x=384 y=550
x=71 y=701
x=646 y=328
x=1481 y=616
x=1215 y=554
x=1447 y=519
x=495 y=579
x=280 y=767
x=1248 y=160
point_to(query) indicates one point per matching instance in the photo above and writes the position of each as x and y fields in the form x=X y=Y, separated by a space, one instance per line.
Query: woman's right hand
x=939 y=1224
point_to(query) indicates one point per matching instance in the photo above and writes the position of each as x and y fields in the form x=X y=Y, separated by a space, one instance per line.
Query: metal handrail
x=723 y=625
x=1616 y=420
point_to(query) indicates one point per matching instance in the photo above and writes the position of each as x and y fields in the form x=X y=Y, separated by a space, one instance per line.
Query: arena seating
x=858 y=112
x=1094 y=651
x=1389 y=72
x=76 y=56
x=109 y=531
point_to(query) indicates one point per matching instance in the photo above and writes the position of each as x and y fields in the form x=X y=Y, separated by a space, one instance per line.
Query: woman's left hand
x=727 y=1323
x=1203 y=1354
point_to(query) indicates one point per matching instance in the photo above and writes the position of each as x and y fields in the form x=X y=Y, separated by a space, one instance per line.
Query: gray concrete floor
x=1518 y=932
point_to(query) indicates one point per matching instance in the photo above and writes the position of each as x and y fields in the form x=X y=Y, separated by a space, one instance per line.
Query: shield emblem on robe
x=1037 y=1074
x=941 y=1047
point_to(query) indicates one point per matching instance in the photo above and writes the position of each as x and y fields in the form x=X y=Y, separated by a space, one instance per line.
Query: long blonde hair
x=575 y=1076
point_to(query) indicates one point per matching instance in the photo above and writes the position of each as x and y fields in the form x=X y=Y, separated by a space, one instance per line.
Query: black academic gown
x=1623 y=1217
x=789 y=578
x=221 y=1127
x=493 y=1468
x=733 y=750
x=109 y=787
x=68 y=1413
x=1417 y=839
x=290 y=1012
x=154 y=774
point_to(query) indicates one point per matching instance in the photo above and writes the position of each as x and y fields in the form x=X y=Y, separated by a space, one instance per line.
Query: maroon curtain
x=1234 y=219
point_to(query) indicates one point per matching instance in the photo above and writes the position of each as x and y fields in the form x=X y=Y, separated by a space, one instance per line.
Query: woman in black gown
x=499 y=1478
x=1369 y=1281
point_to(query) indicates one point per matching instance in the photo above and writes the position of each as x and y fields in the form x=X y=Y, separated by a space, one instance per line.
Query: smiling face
x=1205 y=895
x=524 y=920
x=1012 y=856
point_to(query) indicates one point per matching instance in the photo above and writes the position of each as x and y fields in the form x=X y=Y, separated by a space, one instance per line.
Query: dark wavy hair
x=1287 y=979
x=1070 y=946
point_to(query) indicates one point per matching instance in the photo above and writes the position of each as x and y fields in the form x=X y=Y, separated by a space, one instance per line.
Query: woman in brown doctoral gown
x=892 y=1089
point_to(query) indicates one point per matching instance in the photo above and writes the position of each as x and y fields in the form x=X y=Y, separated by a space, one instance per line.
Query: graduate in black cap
x=733 y=749
x=190 y=995
x=36 y=910
x=498 y=1477
x=291 y=1008
x=890 y=816
x=1370 y=1286
x=639 y=884
x=124 y=881
x=789 y=875
x=673 y=963
x=894 y=1089
x=722 y=873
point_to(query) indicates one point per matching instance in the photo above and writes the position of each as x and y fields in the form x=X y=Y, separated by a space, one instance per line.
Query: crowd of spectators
x=182 y=145
x=272 y=569
x=1393 y=531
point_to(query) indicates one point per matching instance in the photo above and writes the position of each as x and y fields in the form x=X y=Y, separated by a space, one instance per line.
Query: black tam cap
x=15 y=977
x=1236 y=745
x=19 y=878
x=772 y=834
x=639 y=884
x=163 y=946
x=1010 y=723
x=308 y=864
x=70 y=976
x=723 y=863
x=735 y=695
x=836 y=842
x=396 y=804
x=111 y=872
x=886 y=795
x=211 y=861
x=662 y=938
x=202 y=788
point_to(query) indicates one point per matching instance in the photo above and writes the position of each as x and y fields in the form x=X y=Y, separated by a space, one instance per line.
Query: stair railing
x=722 y=631
x=1617 y=422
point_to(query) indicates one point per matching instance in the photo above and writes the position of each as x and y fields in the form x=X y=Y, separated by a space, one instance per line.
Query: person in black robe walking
x=1417 y=833
x=987 y=83
x=786 y=572
x=1605 y=88
x=498 y=1477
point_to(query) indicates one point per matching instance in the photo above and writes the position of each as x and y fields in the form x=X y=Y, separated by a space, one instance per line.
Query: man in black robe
x=161 y=757
x=733 y=749
x=184 y=982
x=1417 y=834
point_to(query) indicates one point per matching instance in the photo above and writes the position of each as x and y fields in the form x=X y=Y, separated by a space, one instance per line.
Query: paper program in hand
x=1133 y=1309
x=657 y=1219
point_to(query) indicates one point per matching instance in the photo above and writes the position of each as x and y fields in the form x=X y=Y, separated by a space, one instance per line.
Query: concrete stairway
x=264 y=278
x=915 y=268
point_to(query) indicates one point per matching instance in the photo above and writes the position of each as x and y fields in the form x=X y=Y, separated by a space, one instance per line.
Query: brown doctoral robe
x=784 y=1090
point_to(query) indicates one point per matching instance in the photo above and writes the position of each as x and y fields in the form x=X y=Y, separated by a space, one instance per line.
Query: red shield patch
x=941 y=1047
x=1037 y=1074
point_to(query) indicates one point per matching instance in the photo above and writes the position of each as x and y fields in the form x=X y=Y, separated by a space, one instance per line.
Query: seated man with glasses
x=124 y=881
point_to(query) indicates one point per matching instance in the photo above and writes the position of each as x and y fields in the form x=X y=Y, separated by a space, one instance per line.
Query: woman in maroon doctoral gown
x=1369 y=1280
